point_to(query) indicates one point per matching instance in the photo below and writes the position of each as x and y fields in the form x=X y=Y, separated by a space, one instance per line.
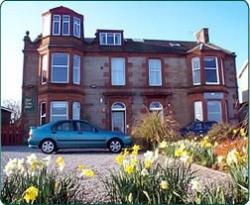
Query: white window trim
x=217 y=71
x=106 y=37
x=79 y=71
x=42 y=58
x=41 y=116
x=194 y=69
x=125 y=117
x=67 y=81
x=67 y=109
x=76 y=103
x=220 y=103
x=124 y=73
x=149 y=73
x=202 y=114
x=75 y=23
x=59 y=28
x=222 y=71
x=63 y=21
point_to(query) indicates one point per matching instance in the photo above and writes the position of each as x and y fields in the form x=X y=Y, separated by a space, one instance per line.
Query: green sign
x=29 y=104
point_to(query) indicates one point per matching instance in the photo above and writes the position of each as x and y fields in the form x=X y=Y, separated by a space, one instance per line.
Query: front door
x=118 y=121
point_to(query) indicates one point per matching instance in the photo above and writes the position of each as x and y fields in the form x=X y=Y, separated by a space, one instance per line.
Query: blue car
x=76 y=134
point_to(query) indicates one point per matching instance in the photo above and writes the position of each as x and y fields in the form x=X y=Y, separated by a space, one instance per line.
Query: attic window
x=174 y=44
x=107 y=38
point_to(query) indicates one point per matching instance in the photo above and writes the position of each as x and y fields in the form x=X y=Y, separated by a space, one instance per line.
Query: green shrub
x=151 y=129
x=220 y=132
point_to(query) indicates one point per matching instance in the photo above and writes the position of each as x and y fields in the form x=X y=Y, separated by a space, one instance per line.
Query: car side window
x=64 y=126
x=82 y=126
x=197 y=126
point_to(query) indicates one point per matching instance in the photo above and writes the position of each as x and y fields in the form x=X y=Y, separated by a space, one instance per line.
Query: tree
x=16 y=107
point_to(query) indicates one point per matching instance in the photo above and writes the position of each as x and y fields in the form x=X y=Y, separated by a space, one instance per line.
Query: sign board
x=29 y=104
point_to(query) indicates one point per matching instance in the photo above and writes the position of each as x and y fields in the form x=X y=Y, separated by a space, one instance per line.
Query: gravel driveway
x=100 y=161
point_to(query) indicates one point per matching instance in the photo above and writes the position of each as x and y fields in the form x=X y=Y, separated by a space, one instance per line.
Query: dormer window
x=76 y=27
x=56 y=24
x=108 y=38
x=66 y=25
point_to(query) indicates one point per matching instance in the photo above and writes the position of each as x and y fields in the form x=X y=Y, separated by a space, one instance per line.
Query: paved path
x=100 y=161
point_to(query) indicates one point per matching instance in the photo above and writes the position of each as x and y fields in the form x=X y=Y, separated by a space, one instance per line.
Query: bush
x=220 y=132
x=31 y=182
x=148 y=181
x=151 y=129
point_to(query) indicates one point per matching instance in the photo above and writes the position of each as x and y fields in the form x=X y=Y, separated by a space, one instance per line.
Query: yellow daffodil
x=119 y=159
x=163 y=145
x=148 y=163
x=196 y=185
x=30 y=194
x=87 y=173
x=242 y=132
x=133 y=160
x=126 y=152
x=180 y=152
x=232 y=157
x=135 y=148
x=164 y=185
x=235 y=131
x=80 y=167
x=129 y=169
x=60 y=163
x=220 y=159
x=205 y=143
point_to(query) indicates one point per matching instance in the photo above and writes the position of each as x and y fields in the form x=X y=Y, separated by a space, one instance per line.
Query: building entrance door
x=118 y=117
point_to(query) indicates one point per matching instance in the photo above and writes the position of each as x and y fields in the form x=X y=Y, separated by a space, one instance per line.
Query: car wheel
x=48 y=146
x=115 y=146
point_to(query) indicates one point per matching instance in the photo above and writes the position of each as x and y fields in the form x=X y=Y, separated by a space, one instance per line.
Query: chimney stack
x=202 y=36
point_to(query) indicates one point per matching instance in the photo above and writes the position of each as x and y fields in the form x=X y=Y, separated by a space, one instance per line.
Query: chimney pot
x=202 y=36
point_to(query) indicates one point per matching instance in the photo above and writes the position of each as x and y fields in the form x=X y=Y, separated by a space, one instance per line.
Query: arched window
x=156 y=107
x=118 y=106
x=118 y=111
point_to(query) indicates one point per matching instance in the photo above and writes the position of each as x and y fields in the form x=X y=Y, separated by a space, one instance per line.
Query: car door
x=63 y=133
x=89 y=135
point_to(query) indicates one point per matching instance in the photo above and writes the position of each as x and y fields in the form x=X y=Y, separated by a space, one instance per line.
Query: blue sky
x=227 y=22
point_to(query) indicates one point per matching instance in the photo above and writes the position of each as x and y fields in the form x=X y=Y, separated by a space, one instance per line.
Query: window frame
x=57 y=102
x=63 y=21
x=123 y=83
x=73 y=104
x=221 y=114
x=199 y=113
x=75 y=19
x=106 y=38
x=195 y=69
x=47 y=68
x=149 y=72
x=78 y=70
x=216 y=70
x=59 y=25
x=41 y=112
x=68 y=63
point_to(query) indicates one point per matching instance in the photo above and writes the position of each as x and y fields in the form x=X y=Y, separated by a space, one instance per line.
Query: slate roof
x=152 y=46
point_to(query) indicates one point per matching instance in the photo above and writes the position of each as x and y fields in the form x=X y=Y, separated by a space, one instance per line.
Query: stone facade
x=96 y=94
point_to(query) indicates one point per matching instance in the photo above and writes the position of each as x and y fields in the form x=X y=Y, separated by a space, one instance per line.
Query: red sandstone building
x=109 y=79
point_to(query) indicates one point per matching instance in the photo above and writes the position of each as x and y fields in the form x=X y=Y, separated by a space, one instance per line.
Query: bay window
x=60 y=68
x=118 y=71
x=196 y=70
x=66 y=25
x=76 y=27
x=214 y=111
x=56 y=24
x=76 y=69
x=58 y=110
x=155 y=75
x=211 y=70
x=198 y=111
